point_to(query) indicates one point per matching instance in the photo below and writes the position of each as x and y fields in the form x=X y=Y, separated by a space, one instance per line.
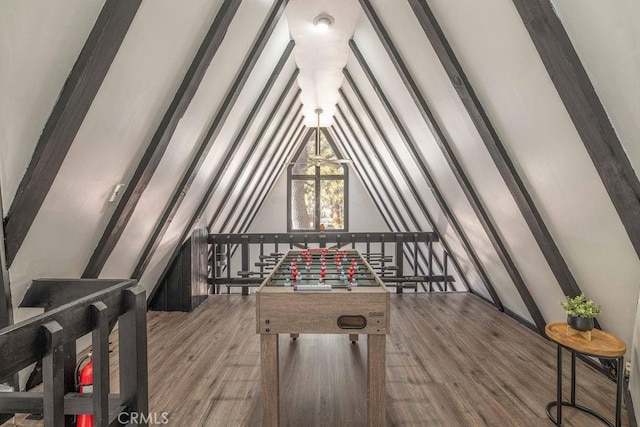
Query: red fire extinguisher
x=84 y=384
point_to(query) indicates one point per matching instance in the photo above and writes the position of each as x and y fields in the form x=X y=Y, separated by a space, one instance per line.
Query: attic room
x=319 y=212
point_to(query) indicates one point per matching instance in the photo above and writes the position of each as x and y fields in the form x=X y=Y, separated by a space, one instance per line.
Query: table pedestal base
x=559 y=402
x=578 y=407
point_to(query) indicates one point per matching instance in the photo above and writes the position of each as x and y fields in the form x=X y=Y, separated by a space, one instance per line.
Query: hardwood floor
x=452 y=360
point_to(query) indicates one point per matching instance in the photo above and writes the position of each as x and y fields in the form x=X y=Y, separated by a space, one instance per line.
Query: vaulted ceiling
x=508 y=127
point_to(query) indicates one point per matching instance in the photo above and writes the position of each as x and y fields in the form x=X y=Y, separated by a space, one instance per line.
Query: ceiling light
x=323 y=21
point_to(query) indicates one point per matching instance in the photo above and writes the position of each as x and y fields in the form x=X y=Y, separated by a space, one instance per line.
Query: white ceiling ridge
x=321 y=55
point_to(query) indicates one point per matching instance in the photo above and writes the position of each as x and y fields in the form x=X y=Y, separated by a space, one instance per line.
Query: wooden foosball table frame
x=361 y=310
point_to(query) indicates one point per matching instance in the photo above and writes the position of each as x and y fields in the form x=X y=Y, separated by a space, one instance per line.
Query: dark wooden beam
x=190 y=225
x=260 y=180
x=361 y=171
x=586 y=111
x=468 y=248
x=67 y=115
x=261 y=154
x=275 y=166
x=465 y=185
x=421 y=205
x=171 y=209
x=395 y=214
x=494 y=146
x=395 y=221
x=276 y=170
x=257 y=184
x=6 y=305
x=53 y=293
x=161 y=138
x=367 y=181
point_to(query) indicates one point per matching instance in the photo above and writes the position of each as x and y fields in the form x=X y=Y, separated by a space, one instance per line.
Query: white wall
x=605 y=36
x=496 y=52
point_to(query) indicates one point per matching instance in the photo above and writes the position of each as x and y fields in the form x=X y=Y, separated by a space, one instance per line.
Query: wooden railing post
x=446 y=271
x=399 y=260
x=245 y=260
x=53 y=375
x=431 y=266
x=100 y=345
x=132 y=333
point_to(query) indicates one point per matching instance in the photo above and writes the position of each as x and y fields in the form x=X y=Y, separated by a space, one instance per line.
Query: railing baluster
x=228 y=258
x=132 y=335
x=446 y=271
x=53 y=375
x=100 y=347
x=426 y=270
x=430 y=265
x=261 y=255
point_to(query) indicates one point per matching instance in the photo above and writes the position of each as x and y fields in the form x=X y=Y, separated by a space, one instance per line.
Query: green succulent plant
x=580 y=306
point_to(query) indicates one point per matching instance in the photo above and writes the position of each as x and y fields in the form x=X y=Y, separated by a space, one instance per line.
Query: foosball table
x=323 y=291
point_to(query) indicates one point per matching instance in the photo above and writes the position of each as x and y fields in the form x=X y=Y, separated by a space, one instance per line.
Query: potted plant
x=580 y=312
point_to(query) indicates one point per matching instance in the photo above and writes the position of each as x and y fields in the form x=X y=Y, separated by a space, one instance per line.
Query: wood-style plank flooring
x=452 y=360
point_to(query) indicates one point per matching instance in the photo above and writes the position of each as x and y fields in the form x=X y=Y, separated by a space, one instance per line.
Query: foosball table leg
x=376 y=380
x=270 y=380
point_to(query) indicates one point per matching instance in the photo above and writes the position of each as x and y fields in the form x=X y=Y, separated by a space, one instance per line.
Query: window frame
x=317 y=178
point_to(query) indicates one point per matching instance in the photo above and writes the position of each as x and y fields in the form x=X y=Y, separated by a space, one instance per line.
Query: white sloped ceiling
x=39 y=43
x=42 y=40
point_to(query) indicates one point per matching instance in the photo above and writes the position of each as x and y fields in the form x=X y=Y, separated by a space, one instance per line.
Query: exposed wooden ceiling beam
x=270 y=166
x=161 y=138
x=495 y=147
x=399 y=196
x=275 y=171
x=442 y=204
x=383 y=208
x=416 y=196
x=187 y=230
x=273 y=178
x=395 y=220
x=367 y=184
x=67 y=115
x=586 y=111
x=118 y=222
x=451 y=158
x=262 y=154
x=171 y=209
x=6 y=305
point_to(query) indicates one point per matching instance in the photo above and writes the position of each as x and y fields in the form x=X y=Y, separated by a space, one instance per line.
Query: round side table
x=603 y=346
